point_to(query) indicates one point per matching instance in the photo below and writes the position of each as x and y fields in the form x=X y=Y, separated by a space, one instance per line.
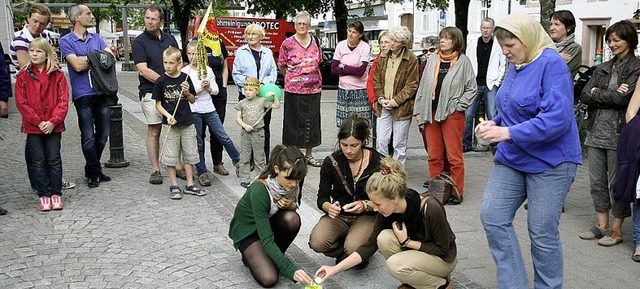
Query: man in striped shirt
x=38 y=19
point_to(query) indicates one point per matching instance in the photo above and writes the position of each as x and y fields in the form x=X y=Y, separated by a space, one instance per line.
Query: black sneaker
x=245 y=184
x=94 y=182
x=104 y=178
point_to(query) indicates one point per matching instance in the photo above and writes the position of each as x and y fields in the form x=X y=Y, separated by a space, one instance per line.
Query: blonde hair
x=172 y=53
x=44 y=45
x=400 y=34
x=255 y=29
x=390 y=182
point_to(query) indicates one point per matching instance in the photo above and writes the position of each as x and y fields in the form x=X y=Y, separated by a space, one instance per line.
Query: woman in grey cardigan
x=446 y=89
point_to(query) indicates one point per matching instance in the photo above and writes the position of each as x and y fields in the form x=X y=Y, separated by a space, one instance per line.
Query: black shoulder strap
x=344 y=181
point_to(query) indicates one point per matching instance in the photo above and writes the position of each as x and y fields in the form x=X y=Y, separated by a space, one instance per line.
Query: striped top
x=21 y=40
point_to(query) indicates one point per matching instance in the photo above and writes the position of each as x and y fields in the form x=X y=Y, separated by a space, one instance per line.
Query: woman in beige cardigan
x=447 y=88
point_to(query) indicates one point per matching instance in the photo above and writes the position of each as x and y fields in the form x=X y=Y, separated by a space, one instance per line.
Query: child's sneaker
x=245 y=185
x=175 y=192
x=203 y=178
x=45 y=204
x=56 y=202
x=193 y=190
x=181 y=174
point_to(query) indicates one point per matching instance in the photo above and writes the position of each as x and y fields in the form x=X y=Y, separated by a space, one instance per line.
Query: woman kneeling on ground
x=265 y=221
x=412 y=234
x=348 y=221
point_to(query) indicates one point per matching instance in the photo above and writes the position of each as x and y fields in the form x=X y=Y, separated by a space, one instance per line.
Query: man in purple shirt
x=92 y=109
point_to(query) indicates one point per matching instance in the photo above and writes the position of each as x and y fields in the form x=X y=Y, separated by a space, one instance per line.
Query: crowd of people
x=523 y=75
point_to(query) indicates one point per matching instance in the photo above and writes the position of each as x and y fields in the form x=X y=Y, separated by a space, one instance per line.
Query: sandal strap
x=597 y=232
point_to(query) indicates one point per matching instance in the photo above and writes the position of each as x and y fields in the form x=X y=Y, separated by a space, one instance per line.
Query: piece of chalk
x=318 y=280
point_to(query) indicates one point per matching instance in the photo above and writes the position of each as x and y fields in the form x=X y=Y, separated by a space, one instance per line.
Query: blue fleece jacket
x=536 y=104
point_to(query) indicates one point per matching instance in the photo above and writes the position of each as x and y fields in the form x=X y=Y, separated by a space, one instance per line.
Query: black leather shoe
x=104 y=178
x=94 y=182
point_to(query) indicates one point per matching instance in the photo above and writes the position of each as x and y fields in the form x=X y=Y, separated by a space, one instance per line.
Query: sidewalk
x=128 y=233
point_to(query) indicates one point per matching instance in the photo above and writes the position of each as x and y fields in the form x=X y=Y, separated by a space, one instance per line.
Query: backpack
x=102 y=75
x=582 y=77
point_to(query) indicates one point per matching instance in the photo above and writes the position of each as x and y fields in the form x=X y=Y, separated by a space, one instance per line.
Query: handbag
x=440 y=187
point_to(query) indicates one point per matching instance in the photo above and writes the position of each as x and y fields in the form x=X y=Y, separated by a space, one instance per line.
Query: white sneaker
x=67 y=185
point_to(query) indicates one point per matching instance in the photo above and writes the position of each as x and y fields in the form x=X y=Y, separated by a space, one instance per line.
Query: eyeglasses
x=302 y=24
x=430 y=50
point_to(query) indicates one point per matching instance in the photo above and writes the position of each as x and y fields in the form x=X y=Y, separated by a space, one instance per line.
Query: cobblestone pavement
x=128 y=233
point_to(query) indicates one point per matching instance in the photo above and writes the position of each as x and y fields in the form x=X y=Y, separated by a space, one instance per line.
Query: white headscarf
x=530 y=33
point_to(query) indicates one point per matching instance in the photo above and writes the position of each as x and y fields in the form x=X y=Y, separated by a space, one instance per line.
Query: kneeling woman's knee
x=289 y=220
x=386 y=240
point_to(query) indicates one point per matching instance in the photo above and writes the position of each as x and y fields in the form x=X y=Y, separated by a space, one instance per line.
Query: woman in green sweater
x=265 y=221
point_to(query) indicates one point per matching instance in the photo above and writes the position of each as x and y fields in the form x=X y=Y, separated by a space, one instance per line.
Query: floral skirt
x=352 y=101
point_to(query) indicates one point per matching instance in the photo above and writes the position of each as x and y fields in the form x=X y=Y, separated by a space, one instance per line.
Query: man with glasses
x=489 y=64
x=147 y=52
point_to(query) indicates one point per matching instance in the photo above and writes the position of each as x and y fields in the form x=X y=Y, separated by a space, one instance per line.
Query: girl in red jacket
x=42 y=97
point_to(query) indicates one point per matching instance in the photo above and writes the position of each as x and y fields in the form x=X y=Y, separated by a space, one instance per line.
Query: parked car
x=328 y=79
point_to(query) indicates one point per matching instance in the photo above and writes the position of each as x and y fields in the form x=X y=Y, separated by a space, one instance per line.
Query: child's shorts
x=181 y=139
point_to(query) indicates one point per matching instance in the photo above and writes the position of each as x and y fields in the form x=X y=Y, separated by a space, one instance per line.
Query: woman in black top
x=348 y=221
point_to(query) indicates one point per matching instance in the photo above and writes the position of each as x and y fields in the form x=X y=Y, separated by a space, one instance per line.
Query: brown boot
x=219 y=169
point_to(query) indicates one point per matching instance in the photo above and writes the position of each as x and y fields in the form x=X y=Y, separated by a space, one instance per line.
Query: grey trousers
x=251 y=141
x=603 y=170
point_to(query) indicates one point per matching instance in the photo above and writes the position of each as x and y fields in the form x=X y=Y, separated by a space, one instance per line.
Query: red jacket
x=372 y=95
x=36 y=107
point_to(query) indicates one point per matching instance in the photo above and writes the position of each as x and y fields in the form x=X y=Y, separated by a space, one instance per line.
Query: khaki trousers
x=340 y=237
x=413 y=267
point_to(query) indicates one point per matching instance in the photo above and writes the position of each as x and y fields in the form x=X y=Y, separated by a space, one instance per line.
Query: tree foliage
x=547 y=7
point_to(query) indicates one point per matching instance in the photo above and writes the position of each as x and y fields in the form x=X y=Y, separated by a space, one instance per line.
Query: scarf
x=277 y=192
x=530 y=33
x=453 y=57
x=565 y=42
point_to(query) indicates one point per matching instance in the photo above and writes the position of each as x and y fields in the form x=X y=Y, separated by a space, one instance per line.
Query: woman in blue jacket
x=255 y=60
x=538 y=152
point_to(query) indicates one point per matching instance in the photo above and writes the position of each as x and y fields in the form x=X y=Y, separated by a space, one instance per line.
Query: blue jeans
x=216 y=130
x=93 y=121
x=506 y=190
x=636 y=223
x=45 y=163
x=489 y=97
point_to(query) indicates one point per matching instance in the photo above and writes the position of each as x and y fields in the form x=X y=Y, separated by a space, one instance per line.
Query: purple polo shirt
x=148 y=48
x=70 y=44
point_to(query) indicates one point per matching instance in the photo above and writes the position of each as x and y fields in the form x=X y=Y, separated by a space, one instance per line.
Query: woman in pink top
x=350 y=62
x=300 y=58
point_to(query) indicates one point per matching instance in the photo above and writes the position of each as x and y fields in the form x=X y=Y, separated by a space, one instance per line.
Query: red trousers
x=444 y=142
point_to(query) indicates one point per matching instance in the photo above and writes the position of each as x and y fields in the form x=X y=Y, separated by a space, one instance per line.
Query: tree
x=547 y=7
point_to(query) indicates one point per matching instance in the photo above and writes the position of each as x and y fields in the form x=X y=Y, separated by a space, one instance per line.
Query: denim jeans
x=506 y=190
x=216 y=130
x=489 y=97
x=636 y=223
x=45 y=163
x=94 y=121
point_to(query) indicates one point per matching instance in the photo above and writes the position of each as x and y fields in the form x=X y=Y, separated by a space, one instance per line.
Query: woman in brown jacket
x=395 y=82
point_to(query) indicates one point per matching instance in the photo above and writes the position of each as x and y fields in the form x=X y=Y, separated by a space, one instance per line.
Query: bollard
x=116 y=142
